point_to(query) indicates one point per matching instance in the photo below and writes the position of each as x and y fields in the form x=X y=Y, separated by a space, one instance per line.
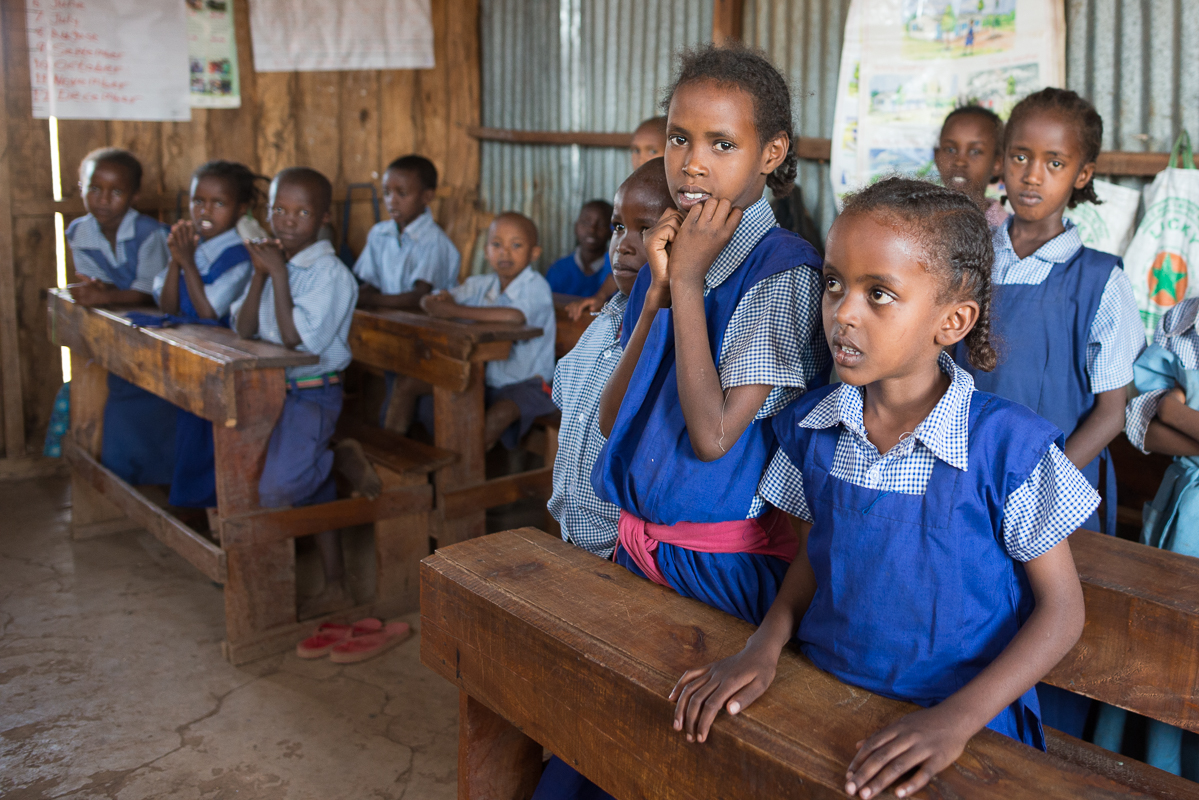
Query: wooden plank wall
x=348 y=125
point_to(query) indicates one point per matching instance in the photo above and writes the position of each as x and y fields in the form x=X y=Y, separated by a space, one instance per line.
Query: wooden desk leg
x=91 y=514
x=495 y=760
x=458 y=420
x=260 y=592
x=400 y=544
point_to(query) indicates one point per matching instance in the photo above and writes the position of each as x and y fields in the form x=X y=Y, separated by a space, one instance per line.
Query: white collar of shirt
x=945 y=431
x=311 y=254
x=616 y=305
x=493 y=292
x=212 y=248
x=1184 y=321
x=128 y=226
x=755 y=223
x=1058 y=250
x=590 y=269
x=417 y=228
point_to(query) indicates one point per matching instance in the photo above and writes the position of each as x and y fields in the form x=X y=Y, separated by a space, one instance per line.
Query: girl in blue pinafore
x=1064 y=314
x=935 y=567
x=210 y=264
x=1164 y=418
x=719 y=334
x=117 y=253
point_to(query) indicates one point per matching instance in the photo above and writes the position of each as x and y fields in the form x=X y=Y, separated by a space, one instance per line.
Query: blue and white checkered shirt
x=152 y=258
x=775 y=336
x=1117 y=335
x=393 y=261
x=1177 y=333
x=1043 y=511
x=579 y=380
x=323 y=293
x=529 y=293
x=224 y=290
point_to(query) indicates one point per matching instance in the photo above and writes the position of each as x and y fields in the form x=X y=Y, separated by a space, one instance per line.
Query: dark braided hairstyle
x=955 y=238
x=119 y=156
x=749 y=70
x=1086 y=123
x=243 y=180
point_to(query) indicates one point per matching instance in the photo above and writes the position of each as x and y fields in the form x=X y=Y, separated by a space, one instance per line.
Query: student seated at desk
x=517 y=388
x=118 y=252
x=582 y=373
x=209 y=269
x=583 y=271
x=301 y=296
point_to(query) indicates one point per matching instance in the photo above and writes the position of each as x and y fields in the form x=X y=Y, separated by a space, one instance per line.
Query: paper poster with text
x=906 y=64
x=212 y=54
x=108 y=59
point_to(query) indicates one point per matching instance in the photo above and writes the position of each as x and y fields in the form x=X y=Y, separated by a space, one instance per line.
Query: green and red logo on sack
x=1168 y=279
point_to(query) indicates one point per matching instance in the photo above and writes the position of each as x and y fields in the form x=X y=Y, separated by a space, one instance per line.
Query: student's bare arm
x=1161 y=438
x=657 y=243
x=247 y=317
x=168 y=299
x=715 y=419
x=370 y=297
x=92 y=292
x=1174 y=411
x=933 y=738
x=444 y=306
x=1096 y=432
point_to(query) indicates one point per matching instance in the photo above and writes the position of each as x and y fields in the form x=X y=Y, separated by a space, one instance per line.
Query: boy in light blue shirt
x=409 y=255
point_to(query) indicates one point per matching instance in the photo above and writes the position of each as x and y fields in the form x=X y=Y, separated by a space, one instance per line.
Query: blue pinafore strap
x=124 y=274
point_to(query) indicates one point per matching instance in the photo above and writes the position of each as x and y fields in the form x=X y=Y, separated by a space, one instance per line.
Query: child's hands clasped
x=931 y=739
x=267 y=256
x=732 y=683
x=182 y=242
x=439 y=304
x=704 y=233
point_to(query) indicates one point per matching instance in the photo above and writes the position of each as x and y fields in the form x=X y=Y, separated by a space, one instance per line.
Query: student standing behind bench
x=302 y=297
x=517 y=388
x=118 y=252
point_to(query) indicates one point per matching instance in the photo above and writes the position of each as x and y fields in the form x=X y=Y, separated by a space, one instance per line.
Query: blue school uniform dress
x=918 y=552
x=139 y=426
x=568 y=276
x=579 y=380
x=524 y=376
x=299 y=464
x=1068 y=328
x=224 y=266
x=1171 y=520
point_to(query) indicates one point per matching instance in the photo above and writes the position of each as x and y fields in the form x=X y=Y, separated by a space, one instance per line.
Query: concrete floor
x=112 y=684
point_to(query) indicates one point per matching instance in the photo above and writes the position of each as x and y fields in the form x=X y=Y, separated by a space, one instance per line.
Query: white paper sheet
x=318 y=35
x=108 y=59
x=906 y=63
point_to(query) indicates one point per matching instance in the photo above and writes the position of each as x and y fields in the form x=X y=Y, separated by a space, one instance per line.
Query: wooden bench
x=239 y=385
x=451 y=356
x=553 y=647
x=568 y=330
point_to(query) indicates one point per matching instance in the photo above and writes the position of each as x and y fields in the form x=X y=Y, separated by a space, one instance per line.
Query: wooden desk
x=451 y=356
x=553 y=646
x=240 y=386
x=568 y=330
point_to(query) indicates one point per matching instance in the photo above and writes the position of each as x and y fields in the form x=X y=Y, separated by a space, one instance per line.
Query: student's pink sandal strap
x=360 y=648
x=331 y=634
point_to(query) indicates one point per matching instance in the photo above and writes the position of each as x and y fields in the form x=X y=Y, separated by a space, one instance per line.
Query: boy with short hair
x=583 y=271
x=581 y=375
x=302 y=297
x=517 y=388
x=409 y=255
x=649 y=141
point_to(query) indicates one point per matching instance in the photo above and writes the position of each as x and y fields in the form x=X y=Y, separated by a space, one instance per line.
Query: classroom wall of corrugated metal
x=601 y=65
x=573 y=65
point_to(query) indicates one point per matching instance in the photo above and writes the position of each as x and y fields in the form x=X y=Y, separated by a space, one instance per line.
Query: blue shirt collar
x=945 y=431
x=417 y=229
x=212 y=248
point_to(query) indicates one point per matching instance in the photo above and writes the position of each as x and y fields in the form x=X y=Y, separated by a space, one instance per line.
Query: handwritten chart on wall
x=315 y=35
x=212 y=52
x=108 y=59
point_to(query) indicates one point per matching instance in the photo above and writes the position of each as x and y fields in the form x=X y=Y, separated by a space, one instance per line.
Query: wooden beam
x=195 y=549
x=584 y=138
x=18 y=469
x=10 y=349
x=536 y=483
x=552 y=639
x=728 y=17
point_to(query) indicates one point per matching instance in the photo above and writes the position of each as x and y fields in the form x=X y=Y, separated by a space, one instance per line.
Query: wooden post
x=10 y=355
x=91 y=514
x=495 y=760
x=727 y=21
x=458 y=418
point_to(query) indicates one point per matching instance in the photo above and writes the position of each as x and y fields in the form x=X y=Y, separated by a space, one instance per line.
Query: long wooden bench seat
x=553 y=647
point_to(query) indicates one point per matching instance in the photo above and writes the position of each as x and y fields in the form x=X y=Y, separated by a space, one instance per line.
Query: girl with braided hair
x=934 y=565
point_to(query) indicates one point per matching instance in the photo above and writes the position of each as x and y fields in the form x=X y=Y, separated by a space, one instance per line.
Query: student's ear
x=535 y=253
x=1084 y=175
x=427 y=196
x=958 y=321
x=327 y=219
x=775 y=153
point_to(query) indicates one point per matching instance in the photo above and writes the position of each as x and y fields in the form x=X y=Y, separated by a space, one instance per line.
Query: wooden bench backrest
x=580 y=655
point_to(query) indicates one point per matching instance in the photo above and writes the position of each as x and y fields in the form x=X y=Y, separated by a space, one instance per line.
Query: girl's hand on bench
x=732 y=683
x=931 y=739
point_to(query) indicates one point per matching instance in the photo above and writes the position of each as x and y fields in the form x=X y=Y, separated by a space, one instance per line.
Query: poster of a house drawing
x=906 y=64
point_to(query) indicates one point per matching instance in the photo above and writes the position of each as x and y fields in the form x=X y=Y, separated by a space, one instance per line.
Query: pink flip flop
x=331 y=634
x=360 y=648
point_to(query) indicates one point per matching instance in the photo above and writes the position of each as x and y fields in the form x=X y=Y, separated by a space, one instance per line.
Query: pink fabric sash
x=769 y=535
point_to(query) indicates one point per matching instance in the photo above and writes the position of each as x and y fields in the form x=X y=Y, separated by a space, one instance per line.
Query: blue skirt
x=139 y=434
x=194 y=483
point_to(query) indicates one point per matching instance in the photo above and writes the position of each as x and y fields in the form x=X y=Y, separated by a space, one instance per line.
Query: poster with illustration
x=905 y=64
x=212 y=54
